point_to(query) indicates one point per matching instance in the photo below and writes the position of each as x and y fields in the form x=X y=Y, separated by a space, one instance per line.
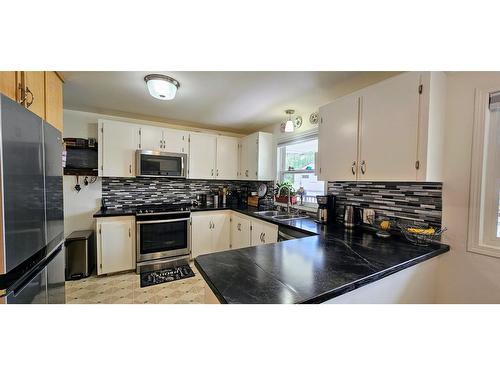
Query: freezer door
x=53 y=181
x=23 y=182
x=56 y=279
x=33 y=291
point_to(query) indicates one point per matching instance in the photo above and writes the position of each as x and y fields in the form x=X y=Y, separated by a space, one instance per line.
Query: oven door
x=161 y=164
x=158 y=239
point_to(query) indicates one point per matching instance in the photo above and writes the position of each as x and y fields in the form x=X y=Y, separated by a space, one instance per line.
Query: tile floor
x=125 y=288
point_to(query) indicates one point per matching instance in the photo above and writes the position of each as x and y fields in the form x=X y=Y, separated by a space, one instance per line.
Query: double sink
x=280 y=217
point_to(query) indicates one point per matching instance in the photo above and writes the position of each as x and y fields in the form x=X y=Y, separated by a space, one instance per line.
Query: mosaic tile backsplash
x=130 y=192
x=412 y=201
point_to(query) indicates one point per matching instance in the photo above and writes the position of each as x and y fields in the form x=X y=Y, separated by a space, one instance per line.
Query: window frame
x=481 y=216
x=281 y=164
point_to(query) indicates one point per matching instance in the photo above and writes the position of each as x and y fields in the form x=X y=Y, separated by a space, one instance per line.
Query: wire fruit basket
x=382 y=224
x=420 y=234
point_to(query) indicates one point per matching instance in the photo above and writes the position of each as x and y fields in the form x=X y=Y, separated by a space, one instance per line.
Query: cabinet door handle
x=23 y=94
x=239 y=227
x=212 y=171
x=28 y=103
x=363 y=167
x=353 y=168
x=217 y=173
x=130 y=168
x=264 y=237
x=210 y=225
x=246 y=173
x=129 y=232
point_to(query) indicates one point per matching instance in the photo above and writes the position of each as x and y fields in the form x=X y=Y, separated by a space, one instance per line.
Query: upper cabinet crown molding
x=392 y=130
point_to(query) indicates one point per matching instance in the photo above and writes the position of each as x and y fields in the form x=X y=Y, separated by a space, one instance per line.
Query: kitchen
x=178 y=182
x=167 y=213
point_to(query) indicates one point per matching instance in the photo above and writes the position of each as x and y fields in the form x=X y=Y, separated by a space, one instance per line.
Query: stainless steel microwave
x=160 y=164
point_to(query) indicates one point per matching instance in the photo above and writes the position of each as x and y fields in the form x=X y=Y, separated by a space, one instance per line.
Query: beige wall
x=464 y=277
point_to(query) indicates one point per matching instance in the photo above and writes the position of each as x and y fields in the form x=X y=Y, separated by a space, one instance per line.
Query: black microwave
x=161 y=164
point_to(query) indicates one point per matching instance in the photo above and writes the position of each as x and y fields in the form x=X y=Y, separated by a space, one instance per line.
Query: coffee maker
x=326 y=208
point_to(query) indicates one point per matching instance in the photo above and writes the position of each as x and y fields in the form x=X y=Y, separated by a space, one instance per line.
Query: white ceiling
x=237 y=101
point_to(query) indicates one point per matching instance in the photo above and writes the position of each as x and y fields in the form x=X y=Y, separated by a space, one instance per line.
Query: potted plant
x=281 y=192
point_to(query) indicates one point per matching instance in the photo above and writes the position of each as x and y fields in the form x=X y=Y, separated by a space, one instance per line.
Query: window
x=484 y=209
x=296 y=164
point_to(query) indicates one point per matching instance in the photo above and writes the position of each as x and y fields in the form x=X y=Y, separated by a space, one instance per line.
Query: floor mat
x=164 y=276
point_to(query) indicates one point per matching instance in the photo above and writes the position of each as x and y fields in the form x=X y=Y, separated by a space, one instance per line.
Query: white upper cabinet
x=163 y=139
x=118 y=142
x=202 y=156
x=338 y=135
x=227 y=158
x=151 y=138
x=389 y=129
x=392 y=130
x=175 y=141
x=257 y=157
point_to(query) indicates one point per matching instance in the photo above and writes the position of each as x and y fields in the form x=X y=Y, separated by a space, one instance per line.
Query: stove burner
x=166 y=275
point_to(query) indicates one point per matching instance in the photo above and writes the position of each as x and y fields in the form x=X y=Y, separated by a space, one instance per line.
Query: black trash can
x=80 y=254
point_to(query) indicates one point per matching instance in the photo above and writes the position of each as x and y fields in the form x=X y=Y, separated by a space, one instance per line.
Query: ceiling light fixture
x=291 y=123
x=161 y=87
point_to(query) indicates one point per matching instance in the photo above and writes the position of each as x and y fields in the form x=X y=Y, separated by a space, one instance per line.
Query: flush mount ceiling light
x=161 y=87
x=292 y=123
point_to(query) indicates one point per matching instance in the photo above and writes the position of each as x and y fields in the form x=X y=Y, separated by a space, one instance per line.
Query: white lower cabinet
x=210 y=232
x=218 y=231
x=115 y=244
x=240 y=231
x=263 y=233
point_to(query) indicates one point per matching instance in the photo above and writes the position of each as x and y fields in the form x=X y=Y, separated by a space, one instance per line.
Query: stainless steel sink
x=288 y=217
x=267 y=213
x=283 y=217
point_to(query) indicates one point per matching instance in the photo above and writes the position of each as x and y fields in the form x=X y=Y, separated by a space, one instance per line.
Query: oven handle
x=162 y=221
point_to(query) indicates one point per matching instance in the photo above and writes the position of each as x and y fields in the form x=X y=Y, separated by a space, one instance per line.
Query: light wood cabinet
x=388 y=131
x=40 y=92
x=257 y=157
x=263 y=233
x=240 y=231
x=227 y=158
x=116 y=154
x=210 y=232
x=202 y=156
x=115 y=244
x=8 y=84
x=54 y=100
x=34 y=87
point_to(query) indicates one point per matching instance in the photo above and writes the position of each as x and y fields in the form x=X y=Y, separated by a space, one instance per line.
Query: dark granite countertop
x=330 y=262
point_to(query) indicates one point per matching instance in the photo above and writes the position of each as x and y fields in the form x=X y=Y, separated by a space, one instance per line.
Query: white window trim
x=280 y=171
x=475 y=241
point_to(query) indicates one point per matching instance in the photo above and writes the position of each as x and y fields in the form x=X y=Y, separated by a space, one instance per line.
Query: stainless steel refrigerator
x=31 y=207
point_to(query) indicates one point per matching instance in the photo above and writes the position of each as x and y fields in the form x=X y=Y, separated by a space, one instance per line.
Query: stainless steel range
x=163 y=235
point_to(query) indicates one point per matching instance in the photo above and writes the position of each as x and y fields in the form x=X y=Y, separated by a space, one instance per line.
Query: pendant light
x=289 y=127
x=161 y=87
